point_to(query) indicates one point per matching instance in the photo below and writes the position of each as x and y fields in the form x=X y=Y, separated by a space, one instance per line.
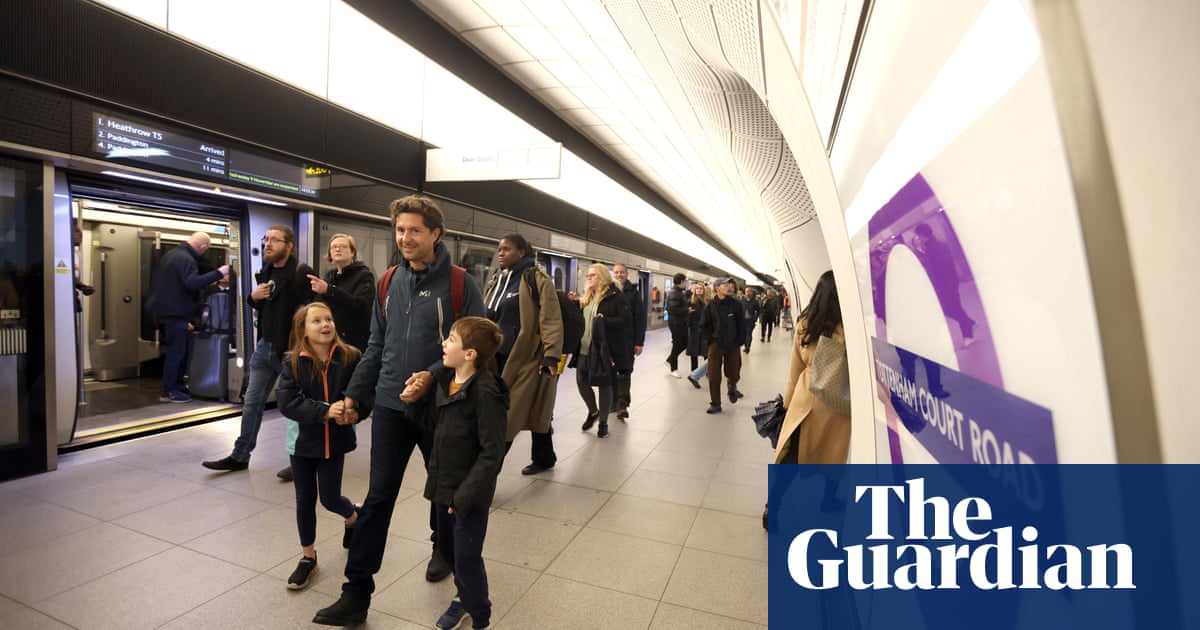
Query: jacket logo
x=425 y=293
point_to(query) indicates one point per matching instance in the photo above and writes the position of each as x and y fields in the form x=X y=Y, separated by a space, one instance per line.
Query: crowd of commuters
x=457 y=373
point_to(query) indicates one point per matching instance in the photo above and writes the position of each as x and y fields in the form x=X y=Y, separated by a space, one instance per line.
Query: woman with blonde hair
x=605 y=317
x=701 y=296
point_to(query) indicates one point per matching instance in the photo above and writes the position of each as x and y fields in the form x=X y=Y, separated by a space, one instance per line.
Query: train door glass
x=559 y=269
x=478 y=258
x=22 y=327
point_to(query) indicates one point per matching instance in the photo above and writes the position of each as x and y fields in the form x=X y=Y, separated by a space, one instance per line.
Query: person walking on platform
x=522 y=300
x=316 y=369
x=724 y=328
x=632 y=296
x=349 y=290
x=677 y=321
x=770 y=315
x=177 y=286
x=604 y=346
x=282 y=288
x=701 y=296
x=421 y=300
x=751 y=309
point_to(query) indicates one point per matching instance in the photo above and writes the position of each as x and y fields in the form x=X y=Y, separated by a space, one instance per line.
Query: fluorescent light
x=199 y=189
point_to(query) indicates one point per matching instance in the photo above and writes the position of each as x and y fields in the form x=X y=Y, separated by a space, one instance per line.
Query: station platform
x=658 y=526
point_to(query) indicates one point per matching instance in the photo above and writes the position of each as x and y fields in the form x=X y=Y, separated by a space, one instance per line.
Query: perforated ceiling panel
x=703 y=60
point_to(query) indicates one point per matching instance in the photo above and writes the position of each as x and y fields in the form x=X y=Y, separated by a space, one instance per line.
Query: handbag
x=829 y=375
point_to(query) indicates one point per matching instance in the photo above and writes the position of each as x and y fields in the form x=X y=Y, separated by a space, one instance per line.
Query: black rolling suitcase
x=208 y=369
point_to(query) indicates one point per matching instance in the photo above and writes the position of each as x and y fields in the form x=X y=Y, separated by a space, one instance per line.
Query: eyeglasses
x=273 y=241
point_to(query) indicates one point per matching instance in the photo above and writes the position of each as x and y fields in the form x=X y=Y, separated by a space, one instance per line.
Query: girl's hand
x=335 y=410
x=449 y=510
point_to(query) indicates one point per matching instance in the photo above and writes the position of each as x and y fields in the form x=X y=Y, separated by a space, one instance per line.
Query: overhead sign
x=493 y=163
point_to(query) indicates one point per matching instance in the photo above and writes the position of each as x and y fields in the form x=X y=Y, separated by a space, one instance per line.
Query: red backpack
x=458 y=287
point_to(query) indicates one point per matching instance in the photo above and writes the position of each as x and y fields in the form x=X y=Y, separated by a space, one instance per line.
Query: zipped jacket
x=304 y=398
x=468 y=439
x=292 y=290
x=407 y=331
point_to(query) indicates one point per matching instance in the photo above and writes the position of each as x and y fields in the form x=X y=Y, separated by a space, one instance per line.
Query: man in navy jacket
x=404 y=350
x=177 y=286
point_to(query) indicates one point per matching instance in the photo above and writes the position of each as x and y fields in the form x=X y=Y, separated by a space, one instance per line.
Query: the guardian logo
x=917 y=561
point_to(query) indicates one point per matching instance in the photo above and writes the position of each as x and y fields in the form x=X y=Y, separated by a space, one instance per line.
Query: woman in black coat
x=348 y=289
x=696 y=346
x=602 y=306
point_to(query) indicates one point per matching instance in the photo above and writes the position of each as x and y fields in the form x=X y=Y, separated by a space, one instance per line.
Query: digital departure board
x=119 y=138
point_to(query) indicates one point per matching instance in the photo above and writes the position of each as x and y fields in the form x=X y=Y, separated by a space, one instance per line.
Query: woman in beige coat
x=811 y=433
x=528 y=360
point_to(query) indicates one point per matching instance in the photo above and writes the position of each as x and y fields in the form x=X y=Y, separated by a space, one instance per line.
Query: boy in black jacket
x=467 y=412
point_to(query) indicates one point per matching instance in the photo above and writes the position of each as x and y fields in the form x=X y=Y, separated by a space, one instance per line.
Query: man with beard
x=283 y=287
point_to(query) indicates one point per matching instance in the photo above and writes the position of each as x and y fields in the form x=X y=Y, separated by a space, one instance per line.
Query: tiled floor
x=656 y=527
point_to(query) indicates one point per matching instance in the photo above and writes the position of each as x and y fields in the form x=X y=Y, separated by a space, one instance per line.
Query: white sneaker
x=675 y=374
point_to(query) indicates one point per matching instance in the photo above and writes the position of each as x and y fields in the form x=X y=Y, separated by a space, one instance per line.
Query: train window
x=478 y=259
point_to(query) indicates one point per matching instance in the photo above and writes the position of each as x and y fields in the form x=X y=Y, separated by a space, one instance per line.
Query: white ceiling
x=670 y=89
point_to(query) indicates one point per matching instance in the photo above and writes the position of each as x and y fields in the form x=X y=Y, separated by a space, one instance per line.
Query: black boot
x=348 y=610
x=591 y=420
x=603 y=432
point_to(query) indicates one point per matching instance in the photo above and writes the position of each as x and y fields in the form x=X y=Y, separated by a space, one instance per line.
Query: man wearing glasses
x=283 y=286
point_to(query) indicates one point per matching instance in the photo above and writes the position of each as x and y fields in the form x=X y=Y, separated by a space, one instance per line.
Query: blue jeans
x=176 y=344
x=701 y=371
x=265 y=369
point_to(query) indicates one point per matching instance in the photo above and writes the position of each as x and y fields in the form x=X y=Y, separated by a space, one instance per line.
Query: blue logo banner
x=1001 y=547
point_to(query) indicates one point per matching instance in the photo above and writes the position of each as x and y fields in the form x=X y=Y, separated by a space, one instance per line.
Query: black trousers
x=765 y=329
x=731 y=361
x=393 y=437
x=679 y=343
x=313 y=477
x=460 y=541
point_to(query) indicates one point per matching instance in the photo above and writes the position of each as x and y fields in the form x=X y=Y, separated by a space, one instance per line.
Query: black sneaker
x=735 y=396
x=454 y=616
x=695 y=382
x=591 y=421
x=623 y=415
x=714 y=409
x=348 y=535
x=348 y=610
x=226 y=463
x=305 y=570
x=284 y=474
x=437 y=570
x=603 y=432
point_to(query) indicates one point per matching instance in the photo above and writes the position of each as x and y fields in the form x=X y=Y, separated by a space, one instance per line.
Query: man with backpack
x=419 y=300
x=176 y=291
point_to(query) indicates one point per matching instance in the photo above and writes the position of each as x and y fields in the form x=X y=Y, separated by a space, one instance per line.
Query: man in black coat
x=177 y=286
x=677 y=321
x=637 y=336
x=724 y=328
x=283 y=286
x=751 y=308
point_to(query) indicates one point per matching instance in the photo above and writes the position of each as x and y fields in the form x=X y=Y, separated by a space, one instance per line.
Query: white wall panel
x=374 y=73
x=287 y=39
x=1143 y=59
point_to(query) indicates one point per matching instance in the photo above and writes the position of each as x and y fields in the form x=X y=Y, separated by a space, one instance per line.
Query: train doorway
x=118 y=246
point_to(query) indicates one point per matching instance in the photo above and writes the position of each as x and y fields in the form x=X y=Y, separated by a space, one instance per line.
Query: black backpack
x=572 y=315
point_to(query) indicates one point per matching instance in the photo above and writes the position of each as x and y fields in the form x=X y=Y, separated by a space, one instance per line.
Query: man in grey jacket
x=396 y=369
